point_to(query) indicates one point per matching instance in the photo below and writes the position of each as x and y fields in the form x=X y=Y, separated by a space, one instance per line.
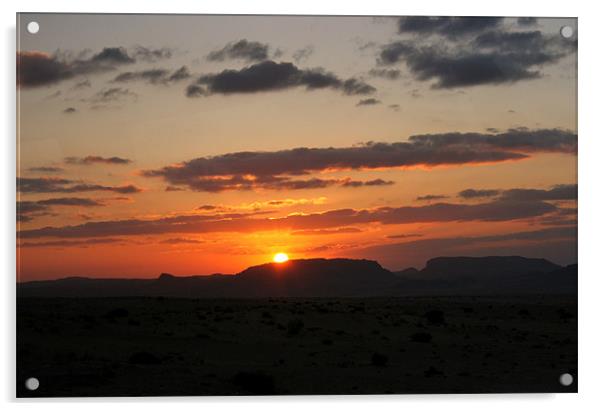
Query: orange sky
x=136 y=175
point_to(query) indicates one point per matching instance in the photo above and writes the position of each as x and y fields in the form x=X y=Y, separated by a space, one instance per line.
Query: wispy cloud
x=251 y=51
x=89 y=160
x=497 y=210
x=279 y=169
x=62 y=185
x=154 y=76
x=37 y=69
x=28 y=210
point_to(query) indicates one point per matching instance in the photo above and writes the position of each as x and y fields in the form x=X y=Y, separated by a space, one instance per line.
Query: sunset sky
x=204 y=144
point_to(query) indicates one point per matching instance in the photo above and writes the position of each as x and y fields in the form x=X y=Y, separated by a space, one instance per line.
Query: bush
x=294 y=326
x=379 y=360
x=421 y=337
x=116 y=313
x=256 y=383
x=144 y=358
x=432 y=372
x=435 y=317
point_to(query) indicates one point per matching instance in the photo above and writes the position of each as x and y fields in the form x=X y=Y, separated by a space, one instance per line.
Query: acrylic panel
x=295 y=205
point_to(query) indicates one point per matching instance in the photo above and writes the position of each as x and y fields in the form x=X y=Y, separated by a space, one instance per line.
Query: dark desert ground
x=152 y=346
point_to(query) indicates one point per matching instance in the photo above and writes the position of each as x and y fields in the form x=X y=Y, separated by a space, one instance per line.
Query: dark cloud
x=279 y=183
x=533 y=46
x=35 y=68
x=471 y=193
x=521 y=140
x=82 y=84
x=378 y=182
x=251 y=51
x=449 y=71
x=113 y=55
x=89 y=160
x=431 y=197
x=180 y=74
x=389 y=74
x=46 y=169
x=113 y=94
x=562 y=217
x=342 y=230
x=303 y=54
x=492 y=57
x=61 y=185
x=274 y=169
x=398 y=236
x=23 y=218
x=71 y=243
x=39 y=69
x=498 y=210
x=154 y=76
x=247 y=182
x=151 y=55
x=449 y=27
x=70 y=110
x=526 y=21
x=194 y=90
x=354 y=87
x=368 y=102
x=369 y=183
x=559 y=192
x=207 y=207
x=556 y=193
x=70 y=201
x=174 y=188
x=188 y=224
x=27 y=210
x=271 y=76
x=180 y=240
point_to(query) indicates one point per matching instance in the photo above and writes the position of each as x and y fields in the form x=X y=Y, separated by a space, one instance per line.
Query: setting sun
x=280 y=258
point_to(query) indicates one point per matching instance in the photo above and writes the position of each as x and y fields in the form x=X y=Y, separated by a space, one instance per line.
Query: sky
x=205 y=144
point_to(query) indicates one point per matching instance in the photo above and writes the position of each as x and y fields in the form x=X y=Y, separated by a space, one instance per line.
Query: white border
x=590 y=148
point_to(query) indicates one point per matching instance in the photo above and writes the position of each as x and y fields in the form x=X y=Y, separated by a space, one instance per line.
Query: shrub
x=256 y=383
x=379 y=360
x=144 y=358
x=432 y=371
x=421 y=337
x=435 y=317
x=294 y=326
x=116 y=313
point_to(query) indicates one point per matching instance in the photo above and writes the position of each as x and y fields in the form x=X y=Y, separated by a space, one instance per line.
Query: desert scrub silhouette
x=116 y=313
x=421 y=337
x=256 y=382
x=294 y=327
x=379 y=360
x=435 y=317
x=144 y=358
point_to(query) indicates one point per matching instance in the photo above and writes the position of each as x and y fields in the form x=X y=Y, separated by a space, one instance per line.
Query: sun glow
x=280 y=258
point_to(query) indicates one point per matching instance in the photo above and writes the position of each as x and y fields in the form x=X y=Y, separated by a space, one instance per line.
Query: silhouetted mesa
x=334 y=278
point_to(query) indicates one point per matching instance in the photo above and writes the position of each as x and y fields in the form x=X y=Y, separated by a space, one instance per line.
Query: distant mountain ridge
x=334 y=278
